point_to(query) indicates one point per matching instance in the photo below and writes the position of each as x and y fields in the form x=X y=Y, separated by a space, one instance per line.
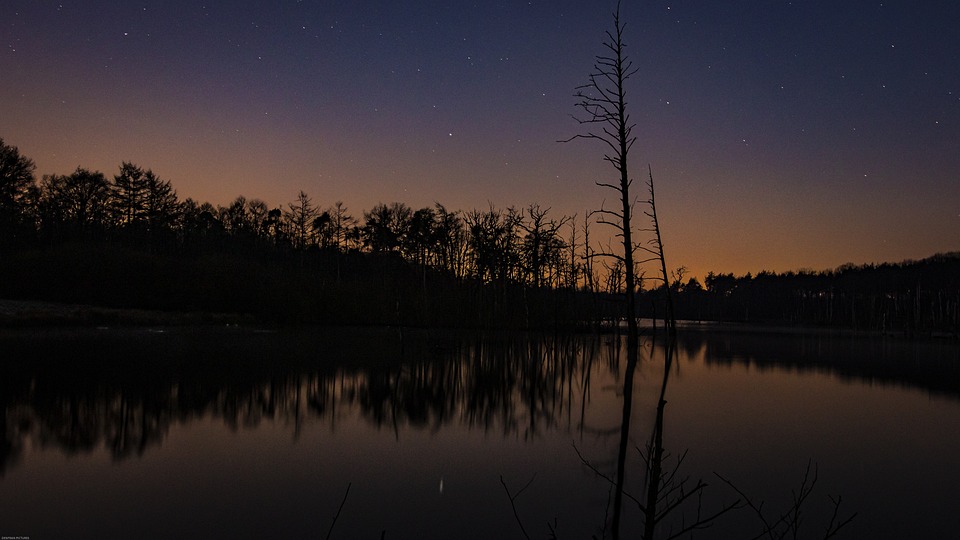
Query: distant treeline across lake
x=130 y=242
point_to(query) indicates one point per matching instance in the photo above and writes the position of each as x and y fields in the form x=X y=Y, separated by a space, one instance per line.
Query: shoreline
x=40 y=314
x=47 y=314
x=779 y=328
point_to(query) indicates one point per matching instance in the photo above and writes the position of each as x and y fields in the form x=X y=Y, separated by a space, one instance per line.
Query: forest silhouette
x=130 y=242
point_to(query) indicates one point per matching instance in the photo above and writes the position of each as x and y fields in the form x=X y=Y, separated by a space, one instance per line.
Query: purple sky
x=783 y=135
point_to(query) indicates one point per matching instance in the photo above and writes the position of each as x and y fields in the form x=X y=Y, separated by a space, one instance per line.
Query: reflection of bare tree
x=667 y=491
x=667 y=502
x=632 y=359
x=671 y=505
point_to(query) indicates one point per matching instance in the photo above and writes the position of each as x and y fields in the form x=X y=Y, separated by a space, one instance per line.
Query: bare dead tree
x=654 y=247
x=299 y=216
x=573 y=276
x=589 y=278
x=541 y=242
x=603 y=106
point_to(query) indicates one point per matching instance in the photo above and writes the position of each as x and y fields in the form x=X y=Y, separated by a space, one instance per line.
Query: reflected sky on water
x=237 y=432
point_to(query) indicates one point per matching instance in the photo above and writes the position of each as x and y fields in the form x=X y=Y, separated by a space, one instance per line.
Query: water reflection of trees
x=123 y=391
x=508 y=383
x=930 y=365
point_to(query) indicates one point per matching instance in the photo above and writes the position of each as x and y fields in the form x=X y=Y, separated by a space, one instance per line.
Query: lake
x=244 y=432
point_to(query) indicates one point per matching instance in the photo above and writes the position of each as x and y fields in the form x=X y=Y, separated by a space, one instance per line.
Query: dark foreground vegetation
x=130 y=242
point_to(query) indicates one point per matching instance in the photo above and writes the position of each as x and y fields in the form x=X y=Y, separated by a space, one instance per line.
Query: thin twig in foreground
x=514 y=498
x=344 y=501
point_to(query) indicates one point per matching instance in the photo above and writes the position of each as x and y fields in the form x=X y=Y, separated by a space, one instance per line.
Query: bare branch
x=834 y=526
x=344 y=501
x=757 y=508
x=611 y=481
x=703 y=523
x=513 y=499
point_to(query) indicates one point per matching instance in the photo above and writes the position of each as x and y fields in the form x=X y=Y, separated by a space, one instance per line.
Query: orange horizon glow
x=833 y=148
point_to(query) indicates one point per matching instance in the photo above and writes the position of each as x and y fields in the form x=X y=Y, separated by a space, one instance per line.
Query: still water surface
x=237 y=432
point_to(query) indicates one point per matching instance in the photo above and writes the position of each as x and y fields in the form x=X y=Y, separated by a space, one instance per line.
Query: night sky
x=782 y=135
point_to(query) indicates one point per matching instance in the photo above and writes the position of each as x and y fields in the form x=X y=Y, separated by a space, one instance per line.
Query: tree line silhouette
x=911 y=297
x=129 y=241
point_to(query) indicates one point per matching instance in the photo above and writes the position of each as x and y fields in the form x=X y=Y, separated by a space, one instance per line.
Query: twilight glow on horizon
x=782 y=135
